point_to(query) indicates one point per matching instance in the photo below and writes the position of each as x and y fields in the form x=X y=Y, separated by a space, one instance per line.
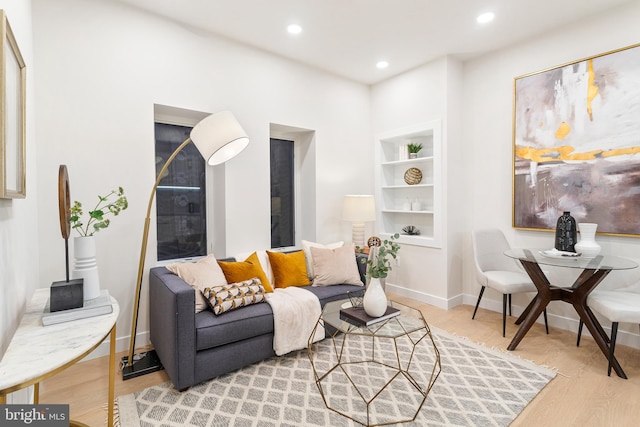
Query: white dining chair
x=497 y=271
x=618 y=305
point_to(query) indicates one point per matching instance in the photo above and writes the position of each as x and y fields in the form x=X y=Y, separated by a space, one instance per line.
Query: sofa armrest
x=172 y=325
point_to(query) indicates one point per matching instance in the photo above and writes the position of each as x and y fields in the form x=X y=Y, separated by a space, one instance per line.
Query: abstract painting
x=576 y=144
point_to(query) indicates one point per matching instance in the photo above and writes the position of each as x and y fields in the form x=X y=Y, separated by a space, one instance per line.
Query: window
x=282 y=193
x=180 y=197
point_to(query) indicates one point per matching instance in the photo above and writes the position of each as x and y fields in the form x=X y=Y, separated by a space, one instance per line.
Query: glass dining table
x=594 y=270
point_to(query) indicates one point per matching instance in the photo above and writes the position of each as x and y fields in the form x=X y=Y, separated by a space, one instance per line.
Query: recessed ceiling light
x=294 y=29
x=485 y=17
x=382 y=64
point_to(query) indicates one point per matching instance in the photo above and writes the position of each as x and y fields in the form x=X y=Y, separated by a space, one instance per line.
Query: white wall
x=429 y=92
x=19 y=226
x=18 y=217
x=100 y=69
x=487 y=130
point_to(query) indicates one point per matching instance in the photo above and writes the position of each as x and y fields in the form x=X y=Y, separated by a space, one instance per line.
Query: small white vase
x=587 y=244
x=85 y=266
x=375 y=300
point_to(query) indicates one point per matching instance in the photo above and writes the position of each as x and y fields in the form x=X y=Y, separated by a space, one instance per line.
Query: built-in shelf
x=400 y=203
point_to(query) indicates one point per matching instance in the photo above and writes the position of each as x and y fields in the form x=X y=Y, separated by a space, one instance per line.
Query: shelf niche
x=400 y=203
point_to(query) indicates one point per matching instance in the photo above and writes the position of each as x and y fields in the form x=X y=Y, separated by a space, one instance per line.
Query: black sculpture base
x=143 y=363
x=65 y=295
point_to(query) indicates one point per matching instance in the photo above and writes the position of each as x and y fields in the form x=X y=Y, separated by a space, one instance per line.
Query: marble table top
x=36 y=350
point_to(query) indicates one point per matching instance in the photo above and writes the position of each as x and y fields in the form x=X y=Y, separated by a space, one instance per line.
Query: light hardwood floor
x=581 y=394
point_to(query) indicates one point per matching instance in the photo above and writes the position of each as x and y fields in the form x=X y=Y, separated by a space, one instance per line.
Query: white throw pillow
x=306 y=247
x=335 y=266
x=206 y=273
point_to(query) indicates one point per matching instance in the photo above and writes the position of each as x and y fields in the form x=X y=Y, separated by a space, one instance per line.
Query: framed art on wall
x=12 y=107
x=576 y=144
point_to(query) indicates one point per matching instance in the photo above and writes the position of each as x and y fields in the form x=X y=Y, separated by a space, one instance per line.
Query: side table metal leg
x=112 y=375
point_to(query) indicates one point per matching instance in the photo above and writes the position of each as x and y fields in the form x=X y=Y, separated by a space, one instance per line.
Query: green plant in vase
x=414 y=149
x=379 y=261
x=98 y=216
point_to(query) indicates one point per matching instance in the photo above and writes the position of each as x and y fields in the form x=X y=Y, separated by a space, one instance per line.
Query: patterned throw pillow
x=234 y=295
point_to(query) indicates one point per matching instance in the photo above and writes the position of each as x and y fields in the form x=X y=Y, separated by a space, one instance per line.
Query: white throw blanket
x=295 y=314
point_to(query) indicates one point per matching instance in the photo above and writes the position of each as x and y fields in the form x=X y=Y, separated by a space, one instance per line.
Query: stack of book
x=357 y=315
x=95 y=307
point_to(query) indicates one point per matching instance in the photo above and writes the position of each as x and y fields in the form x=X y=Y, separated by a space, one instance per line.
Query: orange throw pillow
x=239 y=271
x=289 y=269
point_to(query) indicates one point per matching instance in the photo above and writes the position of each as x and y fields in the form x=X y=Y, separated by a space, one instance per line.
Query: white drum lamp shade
x=358 y=209
x=219 y=137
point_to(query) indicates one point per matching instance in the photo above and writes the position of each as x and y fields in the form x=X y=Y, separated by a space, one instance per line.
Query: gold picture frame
x=576 y=144
x=13 y=114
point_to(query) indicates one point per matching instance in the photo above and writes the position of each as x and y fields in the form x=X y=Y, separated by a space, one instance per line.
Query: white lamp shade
x=359 y=208
x=219 y=137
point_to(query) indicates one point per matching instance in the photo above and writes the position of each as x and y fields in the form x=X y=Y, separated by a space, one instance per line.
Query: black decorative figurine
x=566 y=233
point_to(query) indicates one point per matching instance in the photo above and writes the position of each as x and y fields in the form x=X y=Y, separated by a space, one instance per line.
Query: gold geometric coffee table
x=371 y=374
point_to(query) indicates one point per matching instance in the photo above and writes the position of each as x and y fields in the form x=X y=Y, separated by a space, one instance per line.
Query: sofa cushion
x=200 y=275
x=335 y=266
x=229 y=297
x=306 y=247
x=289 y=269
x=244 y=270
x=237 y=325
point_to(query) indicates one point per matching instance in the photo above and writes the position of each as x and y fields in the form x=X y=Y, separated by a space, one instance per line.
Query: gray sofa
x=195 y=347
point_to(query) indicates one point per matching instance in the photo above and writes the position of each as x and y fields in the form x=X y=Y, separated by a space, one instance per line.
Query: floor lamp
x=358 y=209
x=218 y=137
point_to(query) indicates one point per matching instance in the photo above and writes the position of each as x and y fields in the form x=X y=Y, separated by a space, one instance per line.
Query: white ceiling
x=348 y=37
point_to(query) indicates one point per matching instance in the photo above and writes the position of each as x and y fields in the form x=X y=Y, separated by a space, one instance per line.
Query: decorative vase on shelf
x=566 y=233
x=413 y=155
x=375 y=300
x=587 y=244
x=85 y=266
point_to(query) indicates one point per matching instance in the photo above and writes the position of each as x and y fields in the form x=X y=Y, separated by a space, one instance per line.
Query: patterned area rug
x=477 y=386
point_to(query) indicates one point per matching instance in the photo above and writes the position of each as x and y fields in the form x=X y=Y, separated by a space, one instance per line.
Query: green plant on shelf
x=414 y=148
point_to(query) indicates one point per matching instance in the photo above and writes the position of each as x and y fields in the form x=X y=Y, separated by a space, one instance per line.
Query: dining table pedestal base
x=594 y=271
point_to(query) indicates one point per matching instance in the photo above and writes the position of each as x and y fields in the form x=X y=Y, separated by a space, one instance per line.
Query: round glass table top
x=545 y=257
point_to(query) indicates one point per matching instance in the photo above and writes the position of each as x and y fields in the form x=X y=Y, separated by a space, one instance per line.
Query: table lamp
x=218 y=137
x=358 y=209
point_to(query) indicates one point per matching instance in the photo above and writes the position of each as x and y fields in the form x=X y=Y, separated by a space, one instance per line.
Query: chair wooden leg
x=546 y=323
x=612 y=345
x=504 y=314
x=478 y=303
x=579 y=333
x=509 y=304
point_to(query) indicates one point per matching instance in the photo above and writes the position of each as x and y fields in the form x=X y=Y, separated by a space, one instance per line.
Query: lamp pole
x=148 y=362
x=218 y=137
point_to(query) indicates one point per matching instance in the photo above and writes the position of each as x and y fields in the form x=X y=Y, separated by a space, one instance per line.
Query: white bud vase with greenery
x=378 y=266
x=85 y=266
x=84 y=247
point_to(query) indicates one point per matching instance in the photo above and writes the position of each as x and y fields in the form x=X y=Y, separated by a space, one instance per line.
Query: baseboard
x=122 y=344
x=443 y=303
